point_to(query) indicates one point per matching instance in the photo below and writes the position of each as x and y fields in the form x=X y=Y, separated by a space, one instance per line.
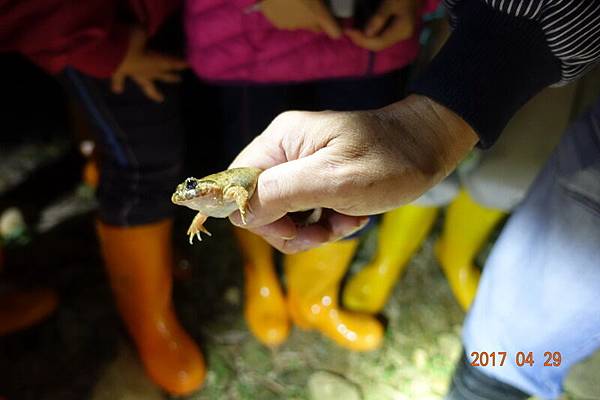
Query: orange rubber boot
x=91 y=174
x=466 y=228
x=400 y=235
x=138 y=261
x=313 y=280
x=22 y=309
x=264 y=306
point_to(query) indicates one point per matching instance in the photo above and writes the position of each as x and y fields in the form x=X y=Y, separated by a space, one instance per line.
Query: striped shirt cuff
x=489 y=67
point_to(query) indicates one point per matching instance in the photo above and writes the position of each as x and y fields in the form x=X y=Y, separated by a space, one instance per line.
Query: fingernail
x=235 y=220
x=288 y=237
x=361 y=224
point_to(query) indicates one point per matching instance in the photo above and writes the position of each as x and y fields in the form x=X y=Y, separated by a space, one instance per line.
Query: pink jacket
x=228 y=44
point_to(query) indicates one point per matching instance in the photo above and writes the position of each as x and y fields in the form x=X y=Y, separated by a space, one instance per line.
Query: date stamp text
x=520 y=359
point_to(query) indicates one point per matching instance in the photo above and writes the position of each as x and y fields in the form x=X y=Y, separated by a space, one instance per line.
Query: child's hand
x=301 y=14
x=144 y=66
x=379 y=34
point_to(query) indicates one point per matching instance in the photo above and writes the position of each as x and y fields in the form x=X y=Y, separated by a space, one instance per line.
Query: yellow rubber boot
x=466 y=228
x=264 y=307
x=400 y=235
x=139 y=264
x=313 y=279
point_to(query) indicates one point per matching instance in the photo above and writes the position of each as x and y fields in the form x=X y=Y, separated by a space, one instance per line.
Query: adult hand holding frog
x=352 y=163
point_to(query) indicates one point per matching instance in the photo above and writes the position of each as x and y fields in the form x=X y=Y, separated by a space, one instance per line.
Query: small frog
x=217 y=195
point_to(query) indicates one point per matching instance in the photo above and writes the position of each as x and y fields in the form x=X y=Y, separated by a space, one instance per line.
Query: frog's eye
x=190 y=184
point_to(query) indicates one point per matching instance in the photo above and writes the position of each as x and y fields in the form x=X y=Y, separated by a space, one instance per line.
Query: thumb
x=298 y=185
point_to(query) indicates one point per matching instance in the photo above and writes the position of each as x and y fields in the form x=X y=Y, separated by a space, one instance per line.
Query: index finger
x=167 y=62
x=326 y=21
x=333 y=226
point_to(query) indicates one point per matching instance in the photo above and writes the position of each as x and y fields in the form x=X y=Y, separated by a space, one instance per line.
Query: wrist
x=434 y=138
x=489 y=67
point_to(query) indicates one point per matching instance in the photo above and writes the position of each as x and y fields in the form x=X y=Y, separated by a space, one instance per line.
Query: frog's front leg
x=240 y=195
x=197 y=226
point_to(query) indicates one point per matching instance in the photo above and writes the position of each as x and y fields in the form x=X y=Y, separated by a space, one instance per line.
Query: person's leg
x=264 y=305
x=466 y=228
x=141 y=146
x=315 y=306
x=494 y=181
x=539 y=289
x=313 y=280
x=247 y=112
x=401 y=233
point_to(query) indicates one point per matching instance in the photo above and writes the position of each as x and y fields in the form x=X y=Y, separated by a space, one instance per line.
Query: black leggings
x=248 y=109
x=141 y=148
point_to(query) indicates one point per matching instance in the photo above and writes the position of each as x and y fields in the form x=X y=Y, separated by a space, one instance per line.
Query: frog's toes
x=193 y=232
x=196 y=232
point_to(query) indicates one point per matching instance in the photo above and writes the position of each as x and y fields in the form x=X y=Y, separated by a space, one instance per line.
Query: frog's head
x=194 y=191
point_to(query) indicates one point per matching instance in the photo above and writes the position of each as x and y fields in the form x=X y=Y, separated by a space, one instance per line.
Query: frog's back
x=245 y=177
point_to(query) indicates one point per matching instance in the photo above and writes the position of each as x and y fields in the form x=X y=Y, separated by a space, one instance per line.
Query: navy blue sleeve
x=491 y=65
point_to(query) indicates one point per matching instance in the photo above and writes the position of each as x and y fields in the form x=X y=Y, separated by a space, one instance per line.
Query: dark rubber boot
x=469 y=383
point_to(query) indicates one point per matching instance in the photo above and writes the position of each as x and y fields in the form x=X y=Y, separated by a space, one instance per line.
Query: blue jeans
x=540 y=288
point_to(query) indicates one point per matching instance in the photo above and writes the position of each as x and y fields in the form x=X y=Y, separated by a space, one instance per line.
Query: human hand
x=394 y=21
x=301 y=14
x=145 y=66
x=352 y=164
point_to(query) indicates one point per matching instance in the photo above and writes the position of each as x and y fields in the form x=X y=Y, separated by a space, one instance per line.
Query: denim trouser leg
x=540 y=289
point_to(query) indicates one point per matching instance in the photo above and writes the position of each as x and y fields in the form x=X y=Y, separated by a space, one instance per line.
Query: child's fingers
x=168 y=77
x=149 y=89
x=324 y=18
x=165 y=62
x=178 y=64
x=376 y=24
x=361 y=40
x=402 y=28
x=117 y=83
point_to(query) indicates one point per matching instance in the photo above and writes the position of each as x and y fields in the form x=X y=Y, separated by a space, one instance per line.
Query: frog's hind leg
x=240 y=195
x=197 y=226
